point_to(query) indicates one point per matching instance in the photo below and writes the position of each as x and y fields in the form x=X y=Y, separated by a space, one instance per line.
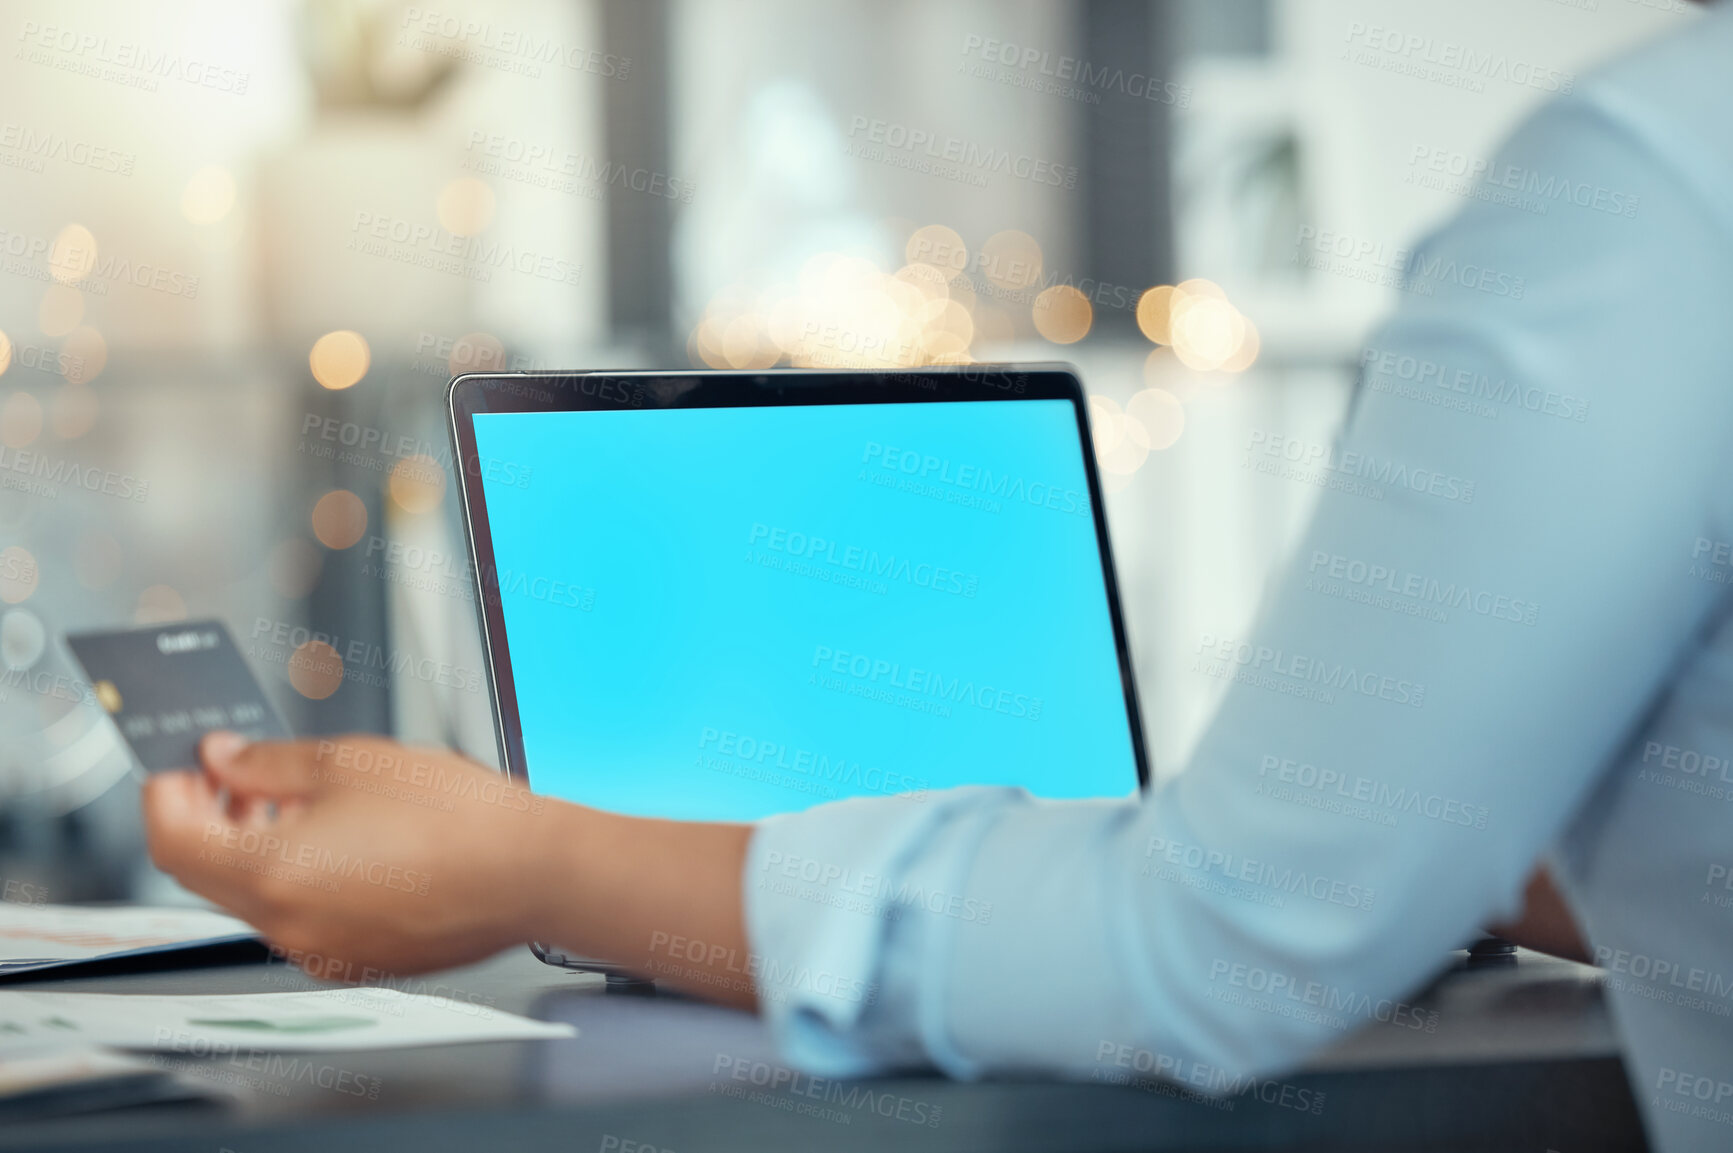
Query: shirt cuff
x=837 y=901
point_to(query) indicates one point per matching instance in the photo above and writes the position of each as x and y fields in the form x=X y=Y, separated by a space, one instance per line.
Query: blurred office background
x=243 y=247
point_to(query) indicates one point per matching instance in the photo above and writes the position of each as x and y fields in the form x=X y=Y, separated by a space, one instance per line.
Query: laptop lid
x=722 y=596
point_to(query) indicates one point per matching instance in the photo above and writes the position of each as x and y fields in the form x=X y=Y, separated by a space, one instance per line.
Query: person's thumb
x=268 y=770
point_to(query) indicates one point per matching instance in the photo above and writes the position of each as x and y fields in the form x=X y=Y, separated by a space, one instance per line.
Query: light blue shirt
x=1503 y=640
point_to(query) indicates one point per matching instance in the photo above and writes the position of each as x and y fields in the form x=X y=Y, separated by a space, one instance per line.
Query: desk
x=1522 y=1058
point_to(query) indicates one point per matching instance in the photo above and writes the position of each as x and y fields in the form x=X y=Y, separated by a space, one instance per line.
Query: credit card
x=168 y=685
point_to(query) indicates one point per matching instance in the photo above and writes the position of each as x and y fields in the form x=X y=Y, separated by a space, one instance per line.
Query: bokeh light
x=97 y=560
x=1011 y=260
x=1121 y=442
x=1198 y=286
x=476 y=352
x=1206 y=331
x=705 y=345
x=465 y=206
x=1154 y=313
x=23 y=639
x=85 y=354
x=1203 y=328
x=339 y=359
x=315 y=670
x=62 y=309
x=159 y=604
x=20 y=419
x=1162 y=369
x=74 y=410
x=993 y=325
x=1161 y=415
x=417 y=484
x=209 y=195
x=72 y=255
x=939 y=246
x=746 y=343
x=926 y=279
x=1152 y=420
x=339 y=519
x=946 y=324
x=1063 y=314
x=18 y=574
x=843 y=312
x=1246 y=354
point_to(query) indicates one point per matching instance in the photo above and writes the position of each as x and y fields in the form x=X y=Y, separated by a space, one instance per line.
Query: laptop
x=726 y=595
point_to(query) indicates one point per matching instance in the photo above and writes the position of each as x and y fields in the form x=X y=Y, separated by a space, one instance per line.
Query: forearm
x=660 y=897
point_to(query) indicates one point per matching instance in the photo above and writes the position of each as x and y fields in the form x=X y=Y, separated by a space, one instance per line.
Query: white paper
x=207 y=1025
x=40 y=935
x=36 y=1070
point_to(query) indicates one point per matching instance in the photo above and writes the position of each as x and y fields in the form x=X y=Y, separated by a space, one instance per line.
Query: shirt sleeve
x=1482 y=610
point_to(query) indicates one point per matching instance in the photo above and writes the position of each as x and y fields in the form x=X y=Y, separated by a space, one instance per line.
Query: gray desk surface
x=1519 y=1058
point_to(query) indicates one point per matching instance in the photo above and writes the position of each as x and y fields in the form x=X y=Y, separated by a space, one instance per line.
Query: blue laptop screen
x=726 y=613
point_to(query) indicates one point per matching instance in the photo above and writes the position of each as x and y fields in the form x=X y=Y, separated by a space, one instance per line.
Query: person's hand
x=354 y=853
x=1546 y=923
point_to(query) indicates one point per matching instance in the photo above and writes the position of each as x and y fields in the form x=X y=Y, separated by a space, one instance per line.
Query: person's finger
x=250 y=811
x=183 y=817
x=271 y=770
x=178 y=808
x=187 y=831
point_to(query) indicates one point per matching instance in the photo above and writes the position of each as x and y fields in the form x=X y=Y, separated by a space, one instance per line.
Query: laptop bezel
x=473 y=394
